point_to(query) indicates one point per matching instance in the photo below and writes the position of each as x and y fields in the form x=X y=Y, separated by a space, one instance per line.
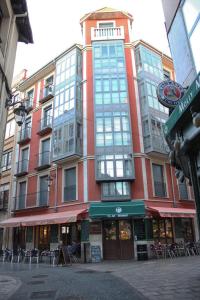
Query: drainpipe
x=174 y=202
x=173 y=196
x=56 y=190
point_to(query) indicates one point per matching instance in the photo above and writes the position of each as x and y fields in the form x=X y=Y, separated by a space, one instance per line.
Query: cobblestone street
x=172 y=279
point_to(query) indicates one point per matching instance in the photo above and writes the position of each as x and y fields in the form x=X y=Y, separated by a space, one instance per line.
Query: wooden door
x=110 y=240
x=125 y=239
x=117 y=239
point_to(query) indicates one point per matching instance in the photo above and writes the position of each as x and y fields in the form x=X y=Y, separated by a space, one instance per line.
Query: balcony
x=155 y=145
x=24 y=136
x=47 y=93
x=43 y=160
x=21 y=168
x=45 y=126
x=111 y=33
x=33 y=200
x=28 y=102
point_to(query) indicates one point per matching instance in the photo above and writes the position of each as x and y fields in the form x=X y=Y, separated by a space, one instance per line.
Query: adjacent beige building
x=14 y=27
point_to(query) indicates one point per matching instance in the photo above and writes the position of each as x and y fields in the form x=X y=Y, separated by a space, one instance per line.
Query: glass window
x=106 y=25
x=194 y=40
x=119 y=168
x=116 y=189
x=159 y=180
x=6 y=161
x=10 y=128
x=110 y=231
x=191 y=10
x=70 y=184
x=121 y=165
x=124 y=230
x=183 y=193
x=162 y=230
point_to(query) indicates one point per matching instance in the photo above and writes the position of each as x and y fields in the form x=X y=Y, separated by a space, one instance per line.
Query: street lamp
x=20 y=112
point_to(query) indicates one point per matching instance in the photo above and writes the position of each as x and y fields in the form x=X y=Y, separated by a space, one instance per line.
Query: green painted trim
x=117 y=209
x=180 y=109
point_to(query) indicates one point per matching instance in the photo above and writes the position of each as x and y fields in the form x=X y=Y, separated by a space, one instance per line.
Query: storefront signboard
x=182 y=106
x=117 y=209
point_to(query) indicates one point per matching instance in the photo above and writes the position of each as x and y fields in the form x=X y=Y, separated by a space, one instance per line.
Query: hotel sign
x=182 y=106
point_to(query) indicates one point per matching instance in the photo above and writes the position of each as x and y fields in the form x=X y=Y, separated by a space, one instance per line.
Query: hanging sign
x=169 y=93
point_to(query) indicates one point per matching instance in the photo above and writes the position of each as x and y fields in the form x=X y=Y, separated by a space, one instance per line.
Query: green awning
x=133 y=208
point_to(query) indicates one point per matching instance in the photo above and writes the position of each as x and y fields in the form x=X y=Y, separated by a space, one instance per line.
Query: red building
x=92 y=160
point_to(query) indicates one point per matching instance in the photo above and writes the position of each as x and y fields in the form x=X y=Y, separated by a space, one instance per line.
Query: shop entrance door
x=117 y=239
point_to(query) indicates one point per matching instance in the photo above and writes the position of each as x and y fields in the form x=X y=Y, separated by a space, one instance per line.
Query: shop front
x=171 y=225
x=45 y=231
x=117 y=223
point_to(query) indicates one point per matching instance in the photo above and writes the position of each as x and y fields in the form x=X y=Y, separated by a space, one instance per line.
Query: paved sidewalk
x=169 y=279
x=8 y=286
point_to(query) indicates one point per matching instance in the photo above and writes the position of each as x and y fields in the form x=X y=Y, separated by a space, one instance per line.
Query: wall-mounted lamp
x=20 y=112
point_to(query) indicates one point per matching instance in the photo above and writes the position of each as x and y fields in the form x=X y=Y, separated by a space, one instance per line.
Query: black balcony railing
x=24 y=135
x=46 y=93
x=70 y=193
x=20 y=202
x=45 y=125
x=32 y=200
x=43 y=160
x=21 y=167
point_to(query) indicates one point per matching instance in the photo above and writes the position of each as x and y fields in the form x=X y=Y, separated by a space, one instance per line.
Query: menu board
x=96 y=253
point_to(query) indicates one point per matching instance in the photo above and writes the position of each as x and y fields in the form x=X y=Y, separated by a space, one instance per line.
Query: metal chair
x=34 y=254
x=15 y=255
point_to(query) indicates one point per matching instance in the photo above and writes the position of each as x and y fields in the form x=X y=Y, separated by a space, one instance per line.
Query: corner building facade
x=97 y=166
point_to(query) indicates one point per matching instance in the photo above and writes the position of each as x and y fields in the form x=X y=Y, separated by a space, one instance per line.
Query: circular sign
x=118 y=210
x=169 y=93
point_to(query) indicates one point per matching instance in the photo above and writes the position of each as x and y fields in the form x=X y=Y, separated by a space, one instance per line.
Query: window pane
x=195 y=45
x=108 y=124
x=124 y=230
x=98 y=98
x=110 y=168
x=117 y=124
x=99 y=139
x=119 y=168
x=119 y=190
x=110 y=230
x=191 y=9
x=99 y=125
x=70 y=184
x=108 y=139
x=117 y=138
x=159 y=184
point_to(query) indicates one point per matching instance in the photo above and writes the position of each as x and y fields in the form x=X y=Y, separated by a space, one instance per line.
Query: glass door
x=125 y=239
